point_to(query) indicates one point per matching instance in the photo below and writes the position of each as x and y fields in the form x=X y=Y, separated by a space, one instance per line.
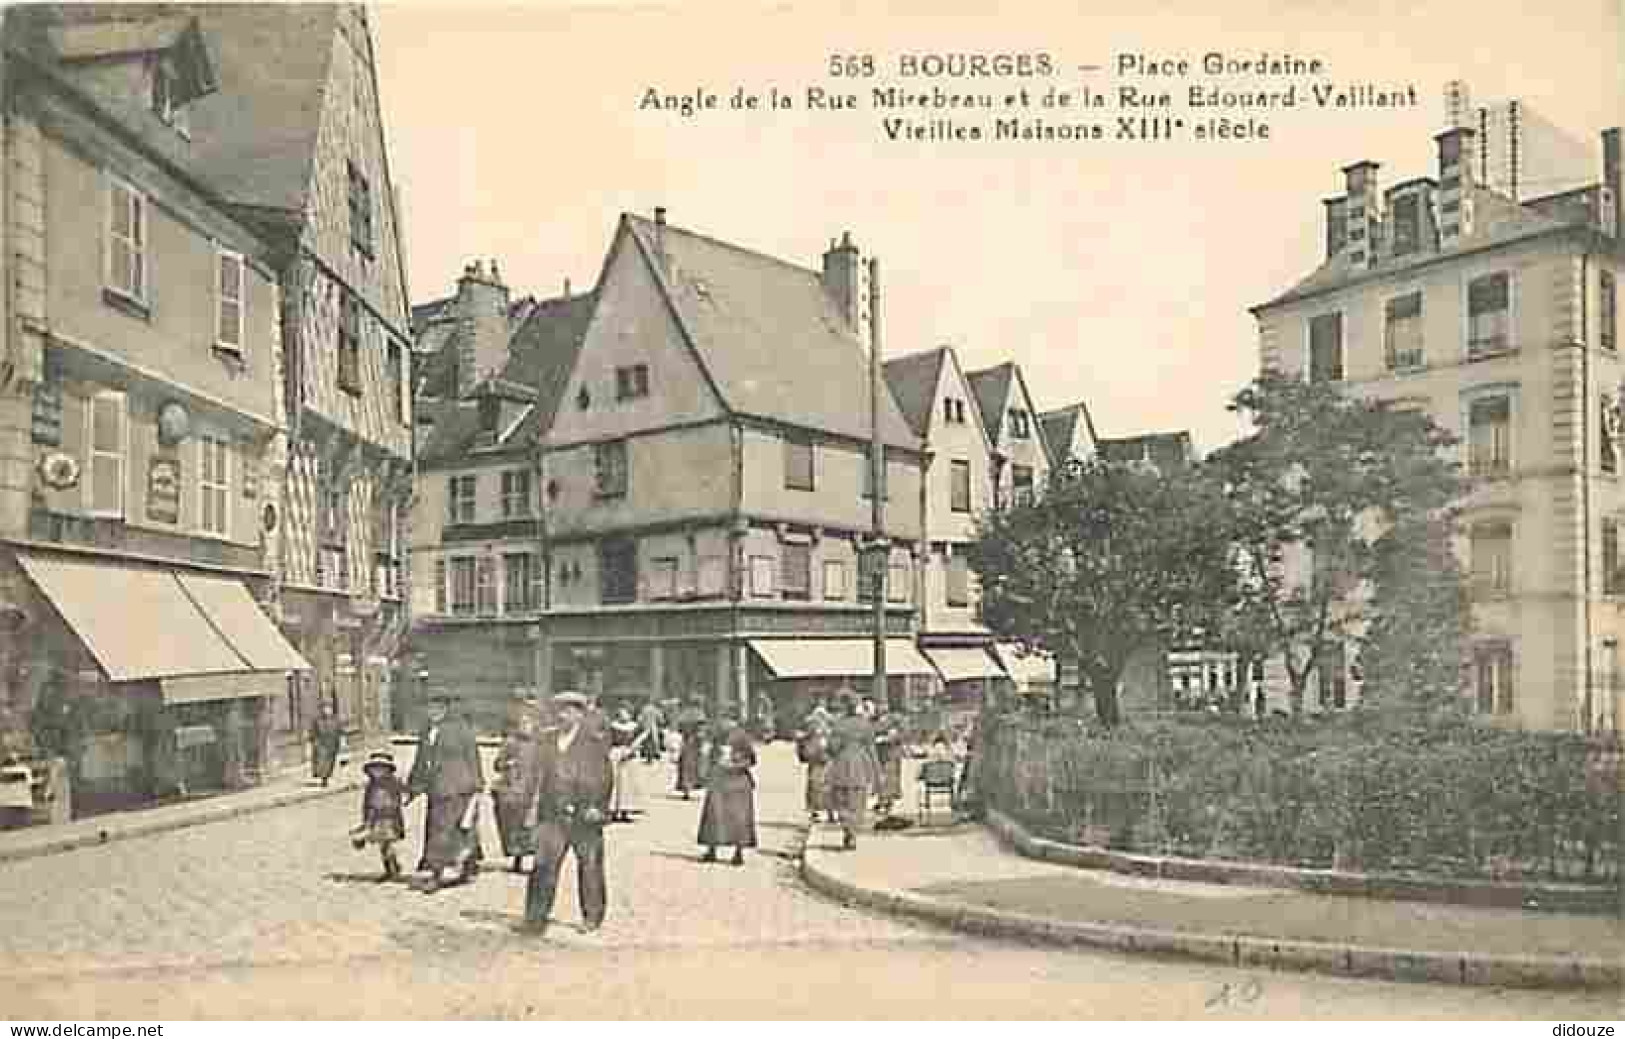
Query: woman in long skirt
x=853 y=771
x=516 y=766
x=889 y=755
x=326 y=740
x=729 y=814
x=812 y=749
x=626 y=738
x=691 y=726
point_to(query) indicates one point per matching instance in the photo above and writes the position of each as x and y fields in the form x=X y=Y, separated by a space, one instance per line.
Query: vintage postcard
x=803 y=511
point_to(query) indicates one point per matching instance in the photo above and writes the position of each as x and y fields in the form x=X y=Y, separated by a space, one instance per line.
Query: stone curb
x=1589 y=901
x=207 y=813
x=1235 y=950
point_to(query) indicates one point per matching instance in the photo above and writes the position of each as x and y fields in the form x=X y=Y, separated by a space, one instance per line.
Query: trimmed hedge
x=1452 y=799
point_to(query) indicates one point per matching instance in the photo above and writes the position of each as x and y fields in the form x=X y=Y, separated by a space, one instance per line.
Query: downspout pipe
x=1588 y=693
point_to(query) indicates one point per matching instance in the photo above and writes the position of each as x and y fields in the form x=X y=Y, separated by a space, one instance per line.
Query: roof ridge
x=723 y=243
x=914 y=355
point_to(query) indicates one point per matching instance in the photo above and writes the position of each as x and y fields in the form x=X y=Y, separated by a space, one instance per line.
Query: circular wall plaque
x=173 y=423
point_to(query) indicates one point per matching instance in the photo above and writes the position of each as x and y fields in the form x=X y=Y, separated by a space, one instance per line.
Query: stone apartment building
x=493 y=370
x=142 y=417
x=1499 y=318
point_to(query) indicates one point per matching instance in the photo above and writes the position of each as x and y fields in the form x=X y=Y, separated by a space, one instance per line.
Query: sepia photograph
x=806 y=511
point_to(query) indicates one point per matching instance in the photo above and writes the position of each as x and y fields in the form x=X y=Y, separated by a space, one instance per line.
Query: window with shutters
x=1608 y=452
x=1491 y=551
x=759 y=577
x=1326 y=348
x=229 y=302
x=1492 y=679
x=798 y=462
x=1489 y=314
x=485 y=585
x=1402 y=332
x=349 y=353
x=1489 y=437
x=834 y=579
x=214 y=485
x=516 y=498
x=618 y=570
x=109 y=439
x=460 y=492
x=518 y=577
x=795 y=571
x=396 y=374
x=958 y=590
x=440 y=586
x=1607 y=312
x=462 y=585
x=609 y=460
x=127 y=241
x=959 y=486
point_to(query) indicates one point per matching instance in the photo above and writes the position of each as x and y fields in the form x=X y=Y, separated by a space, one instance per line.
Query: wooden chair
x=936 y=780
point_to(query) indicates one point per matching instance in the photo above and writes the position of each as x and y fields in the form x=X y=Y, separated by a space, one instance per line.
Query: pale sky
x=1117 y=273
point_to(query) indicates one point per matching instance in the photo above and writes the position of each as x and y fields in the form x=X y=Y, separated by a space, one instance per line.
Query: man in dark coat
x=574 y=786
x=447 y=770
x=326 y=740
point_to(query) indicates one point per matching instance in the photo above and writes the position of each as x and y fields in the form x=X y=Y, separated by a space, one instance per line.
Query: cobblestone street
x=273 y=915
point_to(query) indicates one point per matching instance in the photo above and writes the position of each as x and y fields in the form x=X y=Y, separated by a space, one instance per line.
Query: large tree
x=1327 y=501
x=1111 y=559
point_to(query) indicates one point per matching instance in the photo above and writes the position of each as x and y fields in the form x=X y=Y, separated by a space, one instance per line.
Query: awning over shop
x=1028 y=671
x=963 y=664
x=242 y=623
x=203 y=637
x=837 y=658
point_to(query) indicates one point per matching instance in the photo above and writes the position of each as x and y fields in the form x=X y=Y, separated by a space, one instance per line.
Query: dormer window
x=1407 y=223
x=168 y=99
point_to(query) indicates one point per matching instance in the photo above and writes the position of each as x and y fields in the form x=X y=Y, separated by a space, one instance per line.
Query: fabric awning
x=145 y=622
x=964 y=663
x=242 y=623
x=1027 y=671
x=837 y=658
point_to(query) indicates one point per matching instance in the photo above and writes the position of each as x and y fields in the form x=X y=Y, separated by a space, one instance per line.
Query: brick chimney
x=1456 y=184
x=482 y=325
x=1612 y=184
x=844 y=282
x=1363 y=212
x=660 y=240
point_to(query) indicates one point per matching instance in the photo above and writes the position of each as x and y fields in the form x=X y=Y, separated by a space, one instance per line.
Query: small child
x=383 y=821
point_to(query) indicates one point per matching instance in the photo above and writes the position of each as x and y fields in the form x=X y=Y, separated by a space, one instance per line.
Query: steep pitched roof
x=1497 y=221
x=913 y=380
x=991 y=388
x=541 y=354
x=767 y=334
x=1060 y=428
x=255 y=138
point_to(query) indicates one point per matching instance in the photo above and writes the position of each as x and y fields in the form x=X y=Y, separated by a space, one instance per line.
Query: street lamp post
x=878 y=545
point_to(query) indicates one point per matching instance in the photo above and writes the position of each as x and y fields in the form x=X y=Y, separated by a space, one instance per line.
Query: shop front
x=150 y=683
x=800 y=672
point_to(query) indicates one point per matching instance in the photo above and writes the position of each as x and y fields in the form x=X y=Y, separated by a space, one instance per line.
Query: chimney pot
x=660 y=215
x=566 y=286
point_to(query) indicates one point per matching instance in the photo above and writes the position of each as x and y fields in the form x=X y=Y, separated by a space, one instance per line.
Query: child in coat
x=383 y=819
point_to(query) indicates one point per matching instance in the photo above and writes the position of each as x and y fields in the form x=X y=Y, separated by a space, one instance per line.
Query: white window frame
x=899 y=579
x=763 y=570
x=222 y=298
x=516 y=505
x=1388 y=364
x=141 y=234
x=454 y=500
x=92 y=454
x=1472 y=395
x=205 y=487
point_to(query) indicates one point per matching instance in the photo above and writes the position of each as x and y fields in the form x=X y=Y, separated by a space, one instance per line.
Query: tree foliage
x=1112 y=558
x=1328 y=501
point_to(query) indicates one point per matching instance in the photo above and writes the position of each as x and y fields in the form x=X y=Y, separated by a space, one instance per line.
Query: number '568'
x=851 y=65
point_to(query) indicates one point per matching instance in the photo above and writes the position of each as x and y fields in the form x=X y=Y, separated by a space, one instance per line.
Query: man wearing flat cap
x=447 y=770
x=574 y=785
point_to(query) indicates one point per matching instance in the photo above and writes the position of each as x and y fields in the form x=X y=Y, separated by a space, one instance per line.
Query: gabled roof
x=541 y=355
x=255 y=139
x=1060 y=429
x=767 y=334
x=1497 y=221
x=991 y=387
x=913 y=380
